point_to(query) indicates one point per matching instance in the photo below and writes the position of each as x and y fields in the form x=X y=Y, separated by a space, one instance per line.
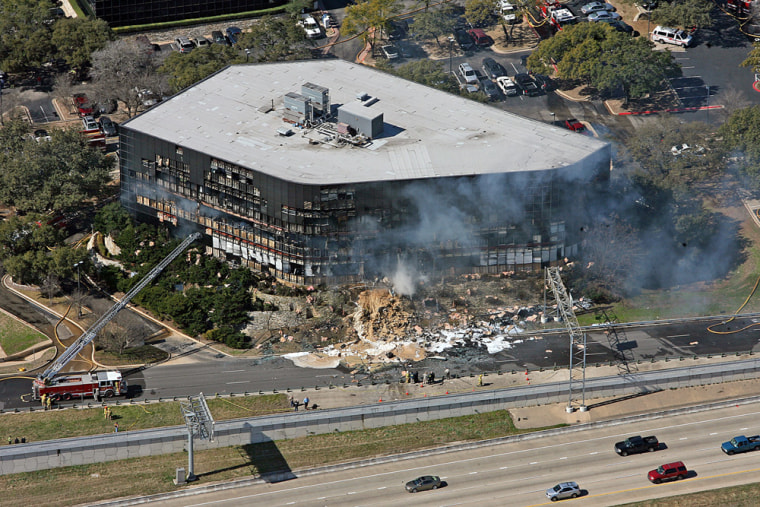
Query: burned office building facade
x=331 y=172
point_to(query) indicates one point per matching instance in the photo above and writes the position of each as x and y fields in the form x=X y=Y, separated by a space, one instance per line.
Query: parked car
x=233 y=34
x=490 y=89
x=493 y=69
x=507 y=11
x=83 y=105
x=507 y=86
x=463 y=39
x=671 y=36
x=480 y=37
x=596 y=7
x=620 y=26
x=310 y=26
x=528 y=86
x=219 y=38
x=667 y=472
x=184 y=45
x=423 y=483
x=107 y=126
x=202 y=42
x=89 y=123
x=468 y=73
x=603 y=16
x=41 y=135
x=576 y=126
x=563 y=490
x=398 y=29
x=390 y=51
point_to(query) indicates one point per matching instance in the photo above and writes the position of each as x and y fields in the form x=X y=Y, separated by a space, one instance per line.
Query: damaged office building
x=333 y=172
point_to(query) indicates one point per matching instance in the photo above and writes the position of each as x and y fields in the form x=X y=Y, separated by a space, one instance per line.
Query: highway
x=519 y=473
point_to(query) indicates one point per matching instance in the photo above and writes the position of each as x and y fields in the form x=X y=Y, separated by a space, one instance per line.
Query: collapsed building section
x=331 y=172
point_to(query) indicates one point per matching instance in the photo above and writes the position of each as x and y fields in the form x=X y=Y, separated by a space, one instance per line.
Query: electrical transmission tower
x=564 y=302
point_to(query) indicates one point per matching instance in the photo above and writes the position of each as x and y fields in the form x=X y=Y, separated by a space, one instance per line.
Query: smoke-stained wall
x=339 y=233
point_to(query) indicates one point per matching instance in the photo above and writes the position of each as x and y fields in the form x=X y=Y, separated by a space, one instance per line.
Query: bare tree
x=125 y=70
x=116 y=339
x=63 y=90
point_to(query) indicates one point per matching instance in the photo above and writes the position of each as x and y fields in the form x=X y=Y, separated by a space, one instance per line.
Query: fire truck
x=739 y=7
x=102 y=384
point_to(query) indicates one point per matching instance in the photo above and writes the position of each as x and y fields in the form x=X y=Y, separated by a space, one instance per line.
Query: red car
x=480 y=37
x=575 y=125
x=671 y=471
x=83 y=105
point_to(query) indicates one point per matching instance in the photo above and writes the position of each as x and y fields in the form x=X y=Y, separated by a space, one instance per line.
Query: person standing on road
x=116 y=427
x=306 y=403
x=447 y=373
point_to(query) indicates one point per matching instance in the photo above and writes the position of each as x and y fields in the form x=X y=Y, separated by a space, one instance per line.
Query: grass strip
x=734 y=496
x=49 y=425
x=154 y=474
x=16 y=336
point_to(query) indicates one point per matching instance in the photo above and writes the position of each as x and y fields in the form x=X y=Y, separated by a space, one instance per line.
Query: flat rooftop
x=427 y=133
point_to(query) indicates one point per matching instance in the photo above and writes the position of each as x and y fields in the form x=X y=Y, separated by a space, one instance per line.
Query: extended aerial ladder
x=89 y=335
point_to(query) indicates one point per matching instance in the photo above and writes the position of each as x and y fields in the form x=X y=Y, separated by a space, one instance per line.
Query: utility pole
x=79 y=293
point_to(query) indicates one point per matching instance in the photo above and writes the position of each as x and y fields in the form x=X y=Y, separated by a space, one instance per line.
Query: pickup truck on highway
x=741 y=444
x=637 y=444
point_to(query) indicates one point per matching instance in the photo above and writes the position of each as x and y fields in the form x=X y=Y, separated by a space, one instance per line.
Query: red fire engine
x=739 y=7
x=101 y=384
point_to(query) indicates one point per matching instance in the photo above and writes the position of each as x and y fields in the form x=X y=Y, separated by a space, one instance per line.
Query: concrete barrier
x=99 y=448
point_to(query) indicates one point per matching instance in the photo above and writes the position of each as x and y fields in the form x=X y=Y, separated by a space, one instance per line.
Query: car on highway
x=492 y=68
x=667 y=472
x=603 y=16
x=528 y=86
x=423 y=483
x=563 y=490
x=507 y=86
x=596 y=7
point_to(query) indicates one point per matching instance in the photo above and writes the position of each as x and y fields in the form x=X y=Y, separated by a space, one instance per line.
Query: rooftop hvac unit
x=298 y=103
x=365 y=121
x=319 y=95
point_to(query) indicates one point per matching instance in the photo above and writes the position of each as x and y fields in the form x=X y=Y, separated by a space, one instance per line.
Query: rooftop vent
x=362 y=96
x=284 y=131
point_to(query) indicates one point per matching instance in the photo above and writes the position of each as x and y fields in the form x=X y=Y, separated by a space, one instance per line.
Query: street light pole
x=247 y=53
x=707 y=107
x=79 y=293
x=451 y=41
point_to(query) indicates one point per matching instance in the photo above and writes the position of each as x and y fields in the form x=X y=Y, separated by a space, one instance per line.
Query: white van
x=671 y=36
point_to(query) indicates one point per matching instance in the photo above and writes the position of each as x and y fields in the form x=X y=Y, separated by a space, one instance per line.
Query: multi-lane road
x=519 y=473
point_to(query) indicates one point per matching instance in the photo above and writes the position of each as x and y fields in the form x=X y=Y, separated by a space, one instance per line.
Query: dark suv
x=463 y=39
x=219 y=38
x=670 y=471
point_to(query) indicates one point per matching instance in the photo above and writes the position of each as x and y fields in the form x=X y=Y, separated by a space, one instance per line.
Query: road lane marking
x=382 y=487
x=503 y=468
x=472 y=473
x=677 y=335
x=563 y=457
x=232 y=371
x=714 y=433
x=534 y=462
x=743 y=429
x=683 y=438
x=595 y=452
x=238 y=382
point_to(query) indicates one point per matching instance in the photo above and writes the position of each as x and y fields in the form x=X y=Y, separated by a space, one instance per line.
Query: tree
x=52 y=176
x=600 y=56
x=684 y=13
x=741 y=135
x=183 y=70
x=111 y=217
x=479 y=12
x=369 y=18
x=124 y=70
x=294 y=8
x=433 y=23
x=75 y=39
x=25 y=34
x=753 y=58
x=276 y=39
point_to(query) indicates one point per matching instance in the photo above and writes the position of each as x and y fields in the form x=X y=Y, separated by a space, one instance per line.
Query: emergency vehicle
x=101 y=384
x=558 y=15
